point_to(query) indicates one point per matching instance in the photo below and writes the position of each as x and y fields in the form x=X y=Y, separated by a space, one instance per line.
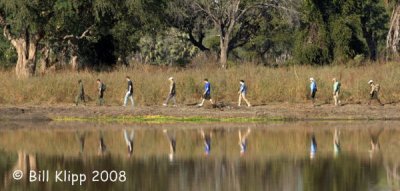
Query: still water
x=309 y=156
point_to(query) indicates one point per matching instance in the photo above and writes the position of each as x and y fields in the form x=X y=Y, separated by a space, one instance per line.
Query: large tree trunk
x=26 y=47
x=26 y=63
x=393 y=36
x=44 y=60
x=223 y=53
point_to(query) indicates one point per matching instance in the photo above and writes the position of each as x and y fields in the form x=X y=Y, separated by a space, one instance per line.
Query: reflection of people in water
x=81 y=138
x=172 y=144
x=375 y=146
x=207 y=141
x=336 y=143
x=102 y=145
x=243 y=141
x=313 y=147
x=129 y=137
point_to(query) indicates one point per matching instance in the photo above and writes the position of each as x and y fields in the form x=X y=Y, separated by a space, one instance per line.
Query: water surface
x=207 y=156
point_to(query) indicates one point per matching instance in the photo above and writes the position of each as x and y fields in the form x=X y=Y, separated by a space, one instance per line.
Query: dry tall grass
x=265 y=85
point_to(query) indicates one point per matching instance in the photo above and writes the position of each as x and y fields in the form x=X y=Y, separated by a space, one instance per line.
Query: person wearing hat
x=129 y=92
x=313 y=88
x=242 y=93
x=374 y=92
x=172 y=92
x=81 y=94
x=336 y=91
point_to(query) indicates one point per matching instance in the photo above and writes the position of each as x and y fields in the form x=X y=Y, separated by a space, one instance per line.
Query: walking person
x=207 y=141
x=242 y=94
x=336 y=91
x=129 y=92
x=374 y=92
x=313 y=146
x=102 y=144
x=172 y=144
x=336 y=143
x=172 y=92
x=313 y=88
x=243 y=140
x=206 y=93
x=129 y=138
x=101 y=88
x=81 y=94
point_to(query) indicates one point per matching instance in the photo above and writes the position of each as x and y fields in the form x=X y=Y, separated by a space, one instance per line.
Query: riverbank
x=159 y=114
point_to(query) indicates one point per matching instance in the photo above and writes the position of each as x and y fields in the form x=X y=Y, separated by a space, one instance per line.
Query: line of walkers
x=206 y=95
x=336 y=91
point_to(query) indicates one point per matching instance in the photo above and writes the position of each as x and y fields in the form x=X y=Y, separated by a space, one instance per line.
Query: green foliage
x=340 y=29
x=8 y=56
x=167 y=32
x=170 y=48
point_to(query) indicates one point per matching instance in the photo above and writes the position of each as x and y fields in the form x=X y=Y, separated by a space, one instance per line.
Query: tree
x=340 y=30
x=227 y=16
x=23 y=23
x=393 y=35
x=181 y=16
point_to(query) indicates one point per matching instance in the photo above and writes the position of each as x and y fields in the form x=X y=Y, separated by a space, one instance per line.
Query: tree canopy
x=100 y=34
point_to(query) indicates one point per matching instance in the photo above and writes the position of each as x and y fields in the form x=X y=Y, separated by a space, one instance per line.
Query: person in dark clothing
x=129 y=92
x=81 y=94
x=102 y=144
x=129 y=138
x=101 y=88
x=172 y=92
x=172 y=143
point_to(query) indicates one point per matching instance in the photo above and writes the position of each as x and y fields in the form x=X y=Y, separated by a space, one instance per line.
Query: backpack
x=103 y=87
x=377 y=87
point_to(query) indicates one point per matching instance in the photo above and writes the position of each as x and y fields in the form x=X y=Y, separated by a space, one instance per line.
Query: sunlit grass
x=265 y=85
x=169 y=119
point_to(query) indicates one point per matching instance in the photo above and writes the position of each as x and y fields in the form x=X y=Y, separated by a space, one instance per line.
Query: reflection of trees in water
x=25 y=163
x=213 y=173
x=393 y=174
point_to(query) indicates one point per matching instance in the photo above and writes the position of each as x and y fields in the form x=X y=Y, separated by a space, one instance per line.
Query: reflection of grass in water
x=171 y=119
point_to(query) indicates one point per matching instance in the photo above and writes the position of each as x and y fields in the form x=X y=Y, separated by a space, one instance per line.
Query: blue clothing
x=207 y=149
x=207 y=88
x=207 y=145
x=243 y=147
x=313 y=86
x=243 y=88
x=313 y=148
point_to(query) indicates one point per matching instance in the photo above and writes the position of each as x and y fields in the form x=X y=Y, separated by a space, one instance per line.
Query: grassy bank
x=170 y=119
x=286 y=84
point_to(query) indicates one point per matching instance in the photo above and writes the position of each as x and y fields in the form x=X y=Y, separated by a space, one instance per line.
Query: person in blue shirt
x=243 y=141
x=313 y=88
x=207 y=142
x=242 y=93
x=206 y=93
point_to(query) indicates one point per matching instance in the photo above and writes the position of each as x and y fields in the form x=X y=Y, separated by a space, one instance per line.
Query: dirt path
x=272 y=111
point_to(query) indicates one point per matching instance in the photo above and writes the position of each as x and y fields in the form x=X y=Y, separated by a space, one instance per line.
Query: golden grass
x=284 y=84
